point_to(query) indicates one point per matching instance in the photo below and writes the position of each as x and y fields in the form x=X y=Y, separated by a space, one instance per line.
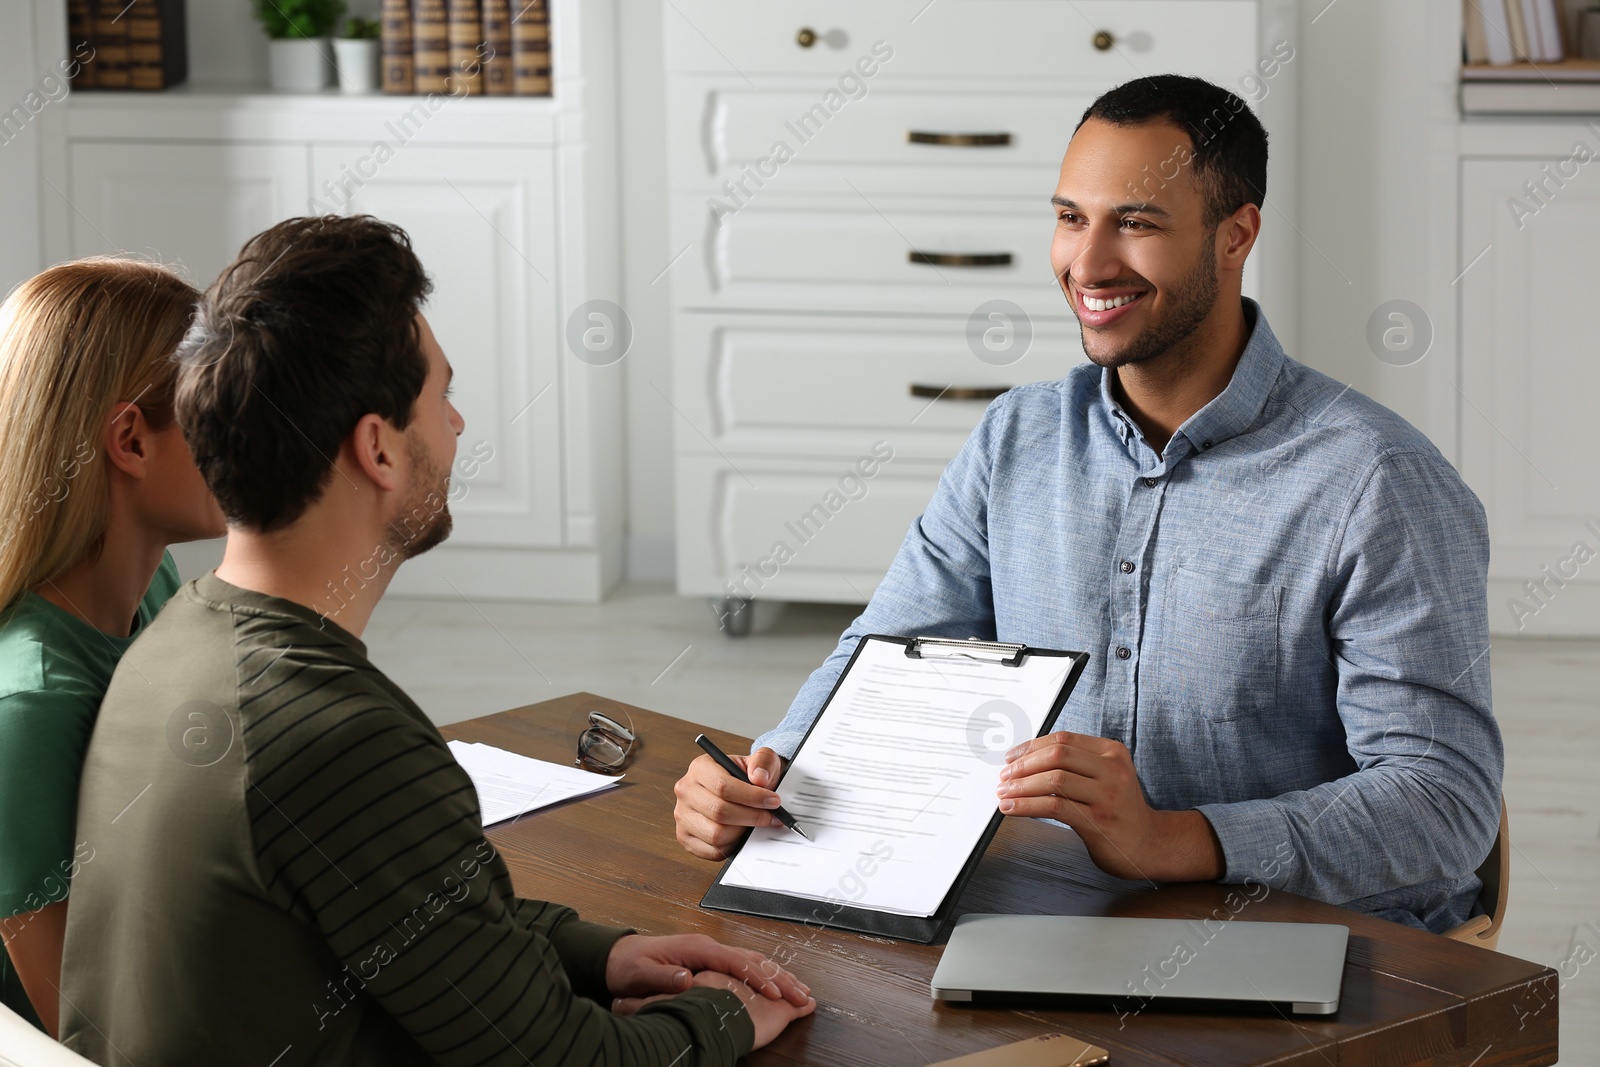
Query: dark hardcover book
x=158 y=44
x=80 y=44
x=430 y=48
x=466 y=38
x=497 y=77
x=395 y=45
x=530 y=48
x=111 y=44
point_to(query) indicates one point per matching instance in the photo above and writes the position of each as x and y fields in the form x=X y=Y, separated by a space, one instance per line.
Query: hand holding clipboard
x=894 y=784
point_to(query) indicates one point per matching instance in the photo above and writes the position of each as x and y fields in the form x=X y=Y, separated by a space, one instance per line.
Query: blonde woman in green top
x=95 y=482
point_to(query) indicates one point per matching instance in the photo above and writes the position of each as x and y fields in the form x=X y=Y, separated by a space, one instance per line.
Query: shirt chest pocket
x=1216 y=655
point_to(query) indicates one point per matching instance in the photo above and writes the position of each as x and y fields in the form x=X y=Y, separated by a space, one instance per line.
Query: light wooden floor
x=646 y=646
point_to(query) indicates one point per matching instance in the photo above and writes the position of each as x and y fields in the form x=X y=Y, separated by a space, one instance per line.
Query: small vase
x=358 y=64
x=300 y=64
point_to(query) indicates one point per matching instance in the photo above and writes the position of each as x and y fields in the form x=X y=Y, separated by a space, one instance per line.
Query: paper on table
x=509 y=784
x=896 y=782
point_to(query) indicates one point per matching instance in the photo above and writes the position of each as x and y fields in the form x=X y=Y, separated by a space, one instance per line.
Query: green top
x=54 y=668
x=298 y=875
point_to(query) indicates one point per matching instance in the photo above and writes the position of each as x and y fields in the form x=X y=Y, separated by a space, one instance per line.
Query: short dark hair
x=310 y=328
x=1229 y=153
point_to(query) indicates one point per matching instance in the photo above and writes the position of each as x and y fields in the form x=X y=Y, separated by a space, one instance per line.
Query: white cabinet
x=510 y=203
x=813 y=449
x=853 y=188
x=1529 y=321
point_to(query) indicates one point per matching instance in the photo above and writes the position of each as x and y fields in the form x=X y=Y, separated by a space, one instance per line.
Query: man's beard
x=1190 y=300
x=425 y=520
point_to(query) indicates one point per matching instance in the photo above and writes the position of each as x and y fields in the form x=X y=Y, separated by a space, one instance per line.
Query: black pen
x=733 y=768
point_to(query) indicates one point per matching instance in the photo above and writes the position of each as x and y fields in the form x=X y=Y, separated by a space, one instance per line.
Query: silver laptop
x=1136 y=962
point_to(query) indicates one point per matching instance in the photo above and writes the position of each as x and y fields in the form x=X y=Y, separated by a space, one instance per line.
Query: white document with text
x=895 y=784
x=510 y=784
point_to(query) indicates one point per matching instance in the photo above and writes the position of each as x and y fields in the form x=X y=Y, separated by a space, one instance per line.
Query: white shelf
x=221 y=112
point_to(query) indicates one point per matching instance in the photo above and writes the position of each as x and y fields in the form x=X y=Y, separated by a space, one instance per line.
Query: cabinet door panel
x=189 y=205
x=1529 y=320
x=481 y=221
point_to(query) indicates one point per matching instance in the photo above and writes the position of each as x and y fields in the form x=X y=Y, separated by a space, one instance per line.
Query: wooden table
x=1409 y=997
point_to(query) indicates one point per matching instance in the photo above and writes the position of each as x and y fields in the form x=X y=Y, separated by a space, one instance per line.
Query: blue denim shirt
x=1286 y=611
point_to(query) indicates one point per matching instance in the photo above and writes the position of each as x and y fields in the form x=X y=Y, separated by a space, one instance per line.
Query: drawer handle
x=806 y=38
x=1103 y=41
x=957 y=392
x=960 y=259
x=959 y=140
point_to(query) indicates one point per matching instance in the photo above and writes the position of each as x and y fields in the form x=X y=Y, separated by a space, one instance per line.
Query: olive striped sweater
x=289 y=868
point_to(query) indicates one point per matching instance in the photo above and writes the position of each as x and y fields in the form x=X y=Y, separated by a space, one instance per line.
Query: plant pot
x=358 y=64
x=300 y=64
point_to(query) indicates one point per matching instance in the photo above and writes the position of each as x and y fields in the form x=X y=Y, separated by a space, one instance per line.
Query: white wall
x=21 y=243
x=645 y=254
x=1378 y=215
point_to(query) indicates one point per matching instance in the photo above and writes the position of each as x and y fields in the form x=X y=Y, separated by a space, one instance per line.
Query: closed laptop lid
x=1134 y=961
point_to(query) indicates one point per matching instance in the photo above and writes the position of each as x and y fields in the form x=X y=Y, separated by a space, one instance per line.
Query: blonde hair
x=75 y=341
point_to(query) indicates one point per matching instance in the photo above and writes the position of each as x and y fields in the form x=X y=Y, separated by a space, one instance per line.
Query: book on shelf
x=1503 y=32
x=1516 y=12
x=394 y=36
x=1550 y=31
x=158 y=44
x=128 y=44
x=466 y=41
x=1475 y=33
x=110 y=41
x=430 y=50
x=463 y=47
x=530 y=48
x=80 y=43
x=497 y=47
x=1497 y=30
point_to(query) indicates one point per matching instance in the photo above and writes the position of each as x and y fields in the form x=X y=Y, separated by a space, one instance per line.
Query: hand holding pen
x=737 y=771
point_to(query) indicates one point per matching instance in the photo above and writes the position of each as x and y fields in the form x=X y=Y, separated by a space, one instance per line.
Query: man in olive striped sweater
x=288 y=865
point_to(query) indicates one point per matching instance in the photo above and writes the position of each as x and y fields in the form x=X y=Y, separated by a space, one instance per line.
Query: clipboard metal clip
x=1002 y=652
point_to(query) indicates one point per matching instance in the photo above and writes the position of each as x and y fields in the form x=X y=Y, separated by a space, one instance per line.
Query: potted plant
x=356 y=49
x=298 y=52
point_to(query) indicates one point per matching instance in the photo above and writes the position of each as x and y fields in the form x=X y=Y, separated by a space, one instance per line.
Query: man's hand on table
x=1090 y=784
x=641 y=970
x=768 y=1016
x=641 y=966
x=714 y=808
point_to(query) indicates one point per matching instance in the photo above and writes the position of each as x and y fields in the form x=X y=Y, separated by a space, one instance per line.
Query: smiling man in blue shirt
x=1283 y=584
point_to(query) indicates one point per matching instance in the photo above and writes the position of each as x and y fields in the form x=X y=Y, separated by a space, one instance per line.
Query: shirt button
x=1205 y=444
x=1149 y=483
x=1127 y=566
x=1123 y=652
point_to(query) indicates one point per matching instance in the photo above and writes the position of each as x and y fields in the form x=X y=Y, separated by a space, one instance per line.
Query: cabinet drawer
x=935 y=142
x=778 y=530
x=989 y=38
x=830 y=386
x=854 y=253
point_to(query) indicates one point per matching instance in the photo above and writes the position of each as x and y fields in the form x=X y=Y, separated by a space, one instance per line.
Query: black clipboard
x=770 y=905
